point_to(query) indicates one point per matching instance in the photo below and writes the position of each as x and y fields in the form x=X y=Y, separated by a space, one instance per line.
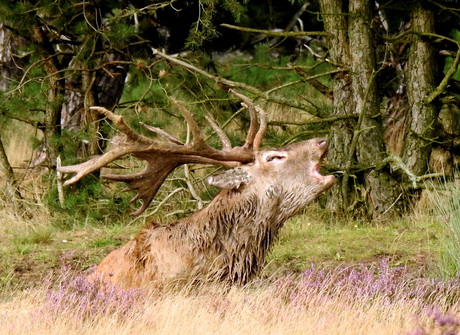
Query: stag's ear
x=230 y=179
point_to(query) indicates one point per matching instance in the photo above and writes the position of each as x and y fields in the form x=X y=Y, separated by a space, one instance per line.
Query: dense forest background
x=380 y=80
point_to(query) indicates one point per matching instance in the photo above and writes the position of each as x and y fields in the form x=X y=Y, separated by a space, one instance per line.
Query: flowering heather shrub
x=366 y=283
x=83 y=299
x=439 y=323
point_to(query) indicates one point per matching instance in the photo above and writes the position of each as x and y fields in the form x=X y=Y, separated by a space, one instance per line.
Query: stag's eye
x=275 y=157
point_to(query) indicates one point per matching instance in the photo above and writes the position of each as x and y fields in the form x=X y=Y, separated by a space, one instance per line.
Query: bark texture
x=55 y=96
x=92 y=88
x=335 y=24
x=421 y=69
x=378 y=193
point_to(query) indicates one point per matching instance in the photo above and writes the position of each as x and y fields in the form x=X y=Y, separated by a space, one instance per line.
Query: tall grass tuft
x=447 y=207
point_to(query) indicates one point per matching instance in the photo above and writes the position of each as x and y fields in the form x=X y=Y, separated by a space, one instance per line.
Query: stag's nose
x=321 y=142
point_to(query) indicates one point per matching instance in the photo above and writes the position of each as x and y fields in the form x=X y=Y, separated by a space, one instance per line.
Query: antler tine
x=262 y=128
x=122 y=125
x=123 y=146
x=198 y=140
x=226 y=144
x=94 y=164
x=162 y=133
x=254 y=136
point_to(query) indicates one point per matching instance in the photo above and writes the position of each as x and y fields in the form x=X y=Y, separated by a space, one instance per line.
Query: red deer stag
x=227 y=240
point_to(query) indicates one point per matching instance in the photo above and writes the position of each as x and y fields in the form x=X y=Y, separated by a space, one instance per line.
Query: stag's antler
x=164 y=156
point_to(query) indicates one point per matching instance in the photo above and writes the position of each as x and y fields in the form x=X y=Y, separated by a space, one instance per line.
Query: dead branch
x=292 y=23
x=331 y=119
x=275 y=33
x=442 y=86
x=396 y=163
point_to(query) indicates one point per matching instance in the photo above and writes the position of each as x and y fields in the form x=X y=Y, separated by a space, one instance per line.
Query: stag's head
x=291 y=173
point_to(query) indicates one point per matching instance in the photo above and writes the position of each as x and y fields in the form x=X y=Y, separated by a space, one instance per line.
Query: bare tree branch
x=276 y=33
x=442 y=86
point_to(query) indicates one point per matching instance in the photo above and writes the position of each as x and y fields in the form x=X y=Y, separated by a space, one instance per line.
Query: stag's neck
x=233 y=234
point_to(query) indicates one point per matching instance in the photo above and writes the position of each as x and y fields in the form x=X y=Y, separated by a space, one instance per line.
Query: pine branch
x=234 y=84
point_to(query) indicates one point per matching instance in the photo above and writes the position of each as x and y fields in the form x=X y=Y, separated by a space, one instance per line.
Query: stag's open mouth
x=321 y=178
x=327 y=180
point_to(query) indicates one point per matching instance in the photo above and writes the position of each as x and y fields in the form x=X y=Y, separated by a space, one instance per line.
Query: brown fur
x=229 y=239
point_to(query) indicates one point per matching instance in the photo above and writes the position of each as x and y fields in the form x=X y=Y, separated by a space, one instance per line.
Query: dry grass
x=35 y=217
x=267 y=309
x=18 y=144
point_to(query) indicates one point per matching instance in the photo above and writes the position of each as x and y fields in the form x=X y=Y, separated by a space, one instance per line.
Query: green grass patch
x=304 y=241
x=37 y=249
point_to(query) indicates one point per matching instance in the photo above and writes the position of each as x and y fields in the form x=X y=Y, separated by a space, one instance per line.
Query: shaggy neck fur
x=230 y=238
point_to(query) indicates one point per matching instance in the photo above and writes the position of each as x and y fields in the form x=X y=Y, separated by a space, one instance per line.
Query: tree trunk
x=53 y=118
x=357 y=144
x=55 y=94
x=92 y=88
x=335 y=24
x=378 y=193
x=421 y=69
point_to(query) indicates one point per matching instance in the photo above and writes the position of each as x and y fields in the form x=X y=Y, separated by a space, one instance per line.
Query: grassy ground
x=411 y=241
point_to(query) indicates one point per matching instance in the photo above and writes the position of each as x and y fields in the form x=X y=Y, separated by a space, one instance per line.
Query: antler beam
x=164 y=156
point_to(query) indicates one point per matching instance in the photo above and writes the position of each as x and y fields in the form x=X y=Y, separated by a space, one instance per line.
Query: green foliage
x=261 y=71
x=455 y=33
x=121 y=33
x=236 y=8
x=27 y=103
x=148 y=88
x=87 y=203
x=203 y=31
